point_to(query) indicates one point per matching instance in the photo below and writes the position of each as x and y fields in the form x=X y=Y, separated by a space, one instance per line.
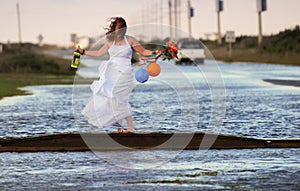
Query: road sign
x=230 y=37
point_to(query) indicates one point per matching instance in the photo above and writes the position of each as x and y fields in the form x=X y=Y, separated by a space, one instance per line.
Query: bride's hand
x=81 y=51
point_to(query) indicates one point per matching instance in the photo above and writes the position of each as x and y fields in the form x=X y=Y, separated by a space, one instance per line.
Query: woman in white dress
x=110 y=101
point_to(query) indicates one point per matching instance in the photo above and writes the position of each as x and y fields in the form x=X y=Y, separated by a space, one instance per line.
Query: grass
x=282 y=48
x=27 y=64
x=24 y=60
x=253 y=55
x=10 y=83
x=9 y=87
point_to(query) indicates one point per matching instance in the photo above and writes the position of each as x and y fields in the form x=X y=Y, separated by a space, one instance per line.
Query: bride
x=110 y=101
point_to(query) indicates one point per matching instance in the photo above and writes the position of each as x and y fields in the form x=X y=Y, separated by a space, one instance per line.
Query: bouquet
x=169 y=51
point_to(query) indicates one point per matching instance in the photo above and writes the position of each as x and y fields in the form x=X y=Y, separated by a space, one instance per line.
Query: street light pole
x=19 y=23
x=219 y=28
x=189 y=19
x=170 y=18
x=259 y=28
x=261 y=6
x=219 y=8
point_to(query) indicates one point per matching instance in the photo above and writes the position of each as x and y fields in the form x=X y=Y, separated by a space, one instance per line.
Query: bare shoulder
x=131 y=40
x=130 y=37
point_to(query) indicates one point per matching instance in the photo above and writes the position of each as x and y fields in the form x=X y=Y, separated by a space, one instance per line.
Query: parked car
x=191 y=52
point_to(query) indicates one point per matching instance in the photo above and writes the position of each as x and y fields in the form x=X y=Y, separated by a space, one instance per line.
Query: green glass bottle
x=76 y=59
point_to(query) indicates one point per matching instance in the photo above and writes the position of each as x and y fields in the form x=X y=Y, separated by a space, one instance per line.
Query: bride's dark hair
x=111 y=34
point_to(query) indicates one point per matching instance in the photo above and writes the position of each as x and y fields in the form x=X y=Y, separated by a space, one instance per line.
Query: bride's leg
x=130 y=124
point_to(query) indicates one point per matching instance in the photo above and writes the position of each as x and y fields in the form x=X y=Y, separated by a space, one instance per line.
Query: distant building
x=84 y=42
x=73 y=40
x=40 y=39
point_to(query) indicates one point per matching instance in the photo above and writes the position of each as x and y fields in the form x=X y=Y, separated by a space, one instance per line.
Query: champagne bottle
x=76 y=59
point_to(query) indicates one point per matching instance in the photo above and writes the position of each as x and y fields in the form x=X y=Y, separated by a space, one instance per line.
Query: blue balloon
x=142 y=75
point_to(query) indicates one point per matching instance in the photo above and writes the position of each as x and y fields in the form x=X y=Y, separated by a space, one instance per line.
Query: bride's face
x=117 y=30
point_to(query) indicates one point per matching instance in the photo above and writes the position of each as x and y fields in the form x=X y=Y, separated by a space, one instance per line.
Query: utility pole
x=156 y=18
x=19 y=23
x=219 y=29
x=261 y=6
x=219 y=8
x=170 y=18
x=259 y=40
x=175 y=17
x=179 y=16
x=143 y=21
x=161 y=16
x=189 y=19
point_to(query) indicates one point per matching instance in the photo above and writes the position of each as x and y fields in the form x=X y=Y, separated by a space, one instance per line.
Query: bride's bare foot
x=128 y=130
x=119 y=130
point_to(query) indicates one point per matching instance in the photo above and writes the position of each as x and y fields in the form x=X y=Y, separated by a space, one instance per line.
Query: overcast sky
x=57 y=19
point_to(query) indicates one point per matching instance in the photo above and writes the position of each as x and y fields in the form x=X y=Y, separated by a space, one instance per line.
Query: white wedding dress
x=110 y=101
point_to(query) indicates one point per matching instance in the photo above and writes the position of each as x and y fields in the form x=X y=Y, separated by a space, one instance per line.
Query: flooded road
x=254 y=108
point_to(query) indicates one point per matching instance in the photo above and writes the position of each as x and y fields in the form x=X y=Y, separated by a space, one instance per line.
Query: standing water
x=254 y=108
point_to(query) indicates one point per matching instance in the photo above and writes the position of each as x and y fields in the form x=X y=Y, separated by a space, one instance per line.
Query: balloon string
x=152 y=58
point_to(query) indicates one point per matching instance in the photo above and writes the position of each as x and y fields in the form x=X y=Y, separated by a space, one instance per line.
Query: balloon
x=153 y=69
x=142 y=75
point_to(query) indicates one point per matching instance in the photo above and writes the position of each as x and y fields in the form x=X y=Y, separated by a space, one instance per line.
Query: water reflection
x=253 y=169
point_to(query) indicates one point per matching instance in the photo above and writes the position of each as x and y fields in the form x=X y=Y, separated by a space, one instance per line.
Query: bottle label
x=76 y=61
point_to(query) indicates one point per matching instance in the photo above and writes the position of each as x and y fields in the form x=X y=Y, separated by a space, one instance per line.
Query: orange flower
x=173 y=46
x=169 y=51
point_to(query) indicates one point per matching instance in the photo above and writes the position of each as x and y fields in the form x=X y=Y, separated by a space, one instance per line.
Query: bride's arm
x=138 y=47
x=102 y=51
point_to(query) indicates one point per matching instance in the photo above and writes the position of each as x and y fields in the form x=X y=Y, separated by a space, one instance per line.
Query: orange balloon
x=153 y=69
